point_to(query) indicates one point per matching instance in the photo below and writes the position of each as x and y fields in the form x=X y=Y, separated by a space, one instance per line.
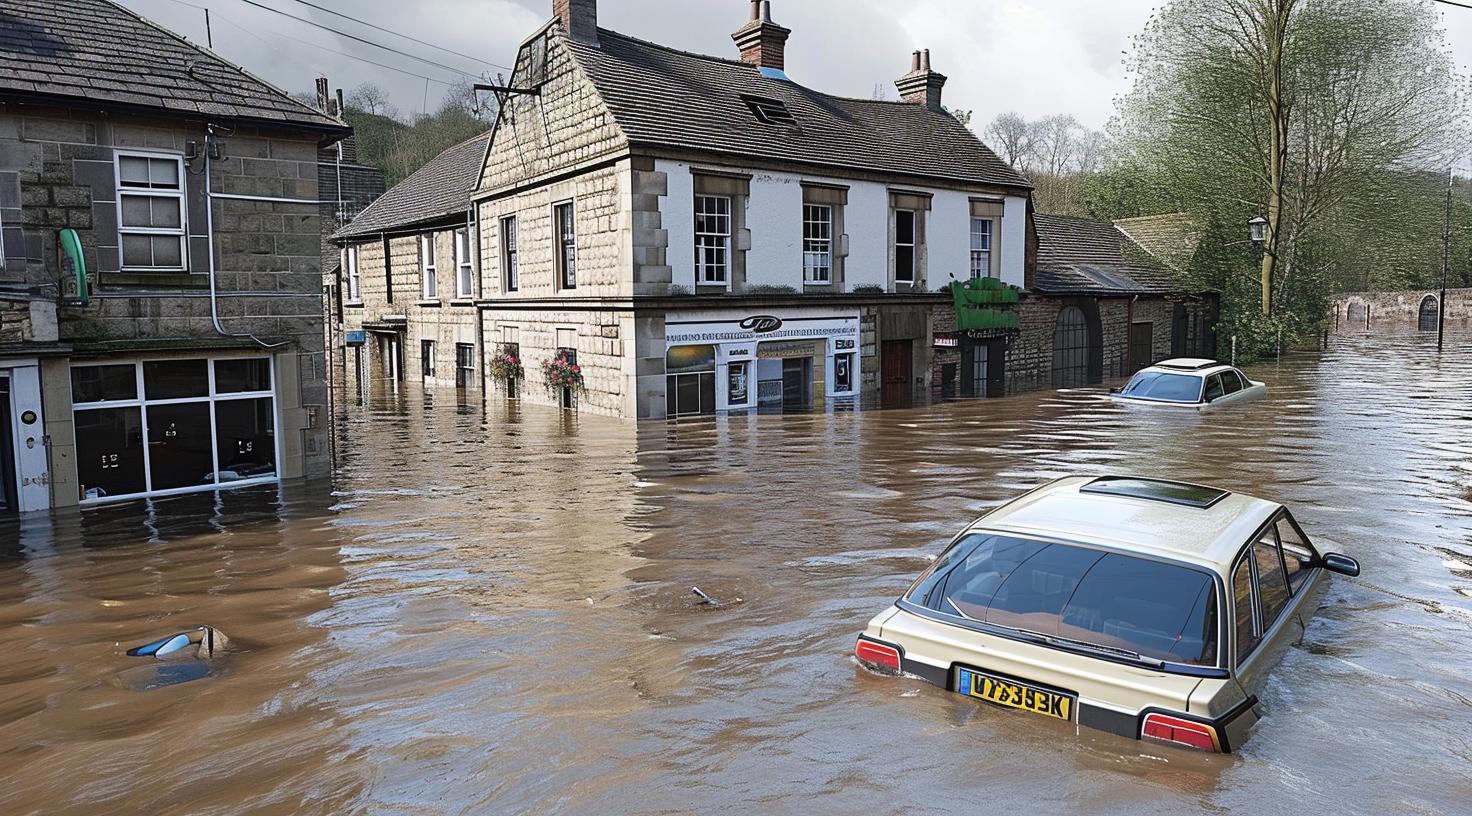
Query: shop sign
x=355 y=338
x=947 y=342
x=782 y=351
x=709 y=327
x=761 y=324
x=843 y=345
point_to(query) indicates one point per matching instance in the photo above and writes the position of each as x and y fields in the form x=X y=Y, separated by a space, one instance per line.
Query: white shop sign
x=742 y=339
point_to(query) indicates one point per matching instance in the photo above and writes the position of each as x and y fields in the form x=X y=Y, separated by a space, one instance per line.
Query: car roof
x=1138 y=517
x=1187 y=363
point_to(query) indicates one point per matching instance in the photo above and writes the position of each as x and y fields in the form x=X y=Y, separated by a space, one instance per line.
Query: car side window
x=1298 y=553
x=1272 y=581
x=1214 y=388
x=1244 y=383
x=1242 y=605
x=923 y=591
x=1231 y=383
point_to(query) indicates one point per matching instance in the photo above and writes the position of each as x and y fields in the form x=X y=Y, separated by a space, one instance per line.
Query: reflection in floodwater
x=492 y=613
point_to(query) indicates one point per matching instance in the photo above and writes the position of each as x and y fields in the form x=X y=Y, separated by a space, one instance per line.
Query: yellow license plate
x=1013 y=694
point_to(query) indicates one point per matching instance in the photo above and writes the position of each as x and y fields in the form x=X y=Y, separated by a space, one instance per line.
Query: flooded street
x=492 y=614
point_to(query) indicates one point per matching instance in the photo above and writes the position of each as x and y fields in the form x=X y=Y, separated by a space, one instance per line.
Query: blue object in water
x=159 y=648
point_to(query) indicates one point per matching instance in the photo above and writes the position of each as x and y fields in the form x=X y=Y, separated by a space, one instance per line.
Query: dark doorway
x=390 y=357
x=797 y=375
x=1429 y=315
x=1071 y=348
x=7 y=451
x=1142 y=342
x=983 y=368
x=1179 y=330
x=897 y=365
x=949 y=372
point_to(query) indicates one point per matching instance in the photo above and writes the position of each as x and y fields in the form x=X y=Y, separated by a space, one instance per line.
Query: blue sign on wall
x=355 y=338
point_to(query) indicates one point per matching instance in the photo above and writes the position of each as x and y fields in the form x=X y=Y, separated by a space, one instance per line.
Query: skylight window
x=770 y=111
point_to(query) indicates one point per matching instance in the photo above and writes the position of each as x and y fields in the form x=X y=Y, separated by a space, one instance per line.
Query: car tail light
x=878 y=655
x=1181 y=732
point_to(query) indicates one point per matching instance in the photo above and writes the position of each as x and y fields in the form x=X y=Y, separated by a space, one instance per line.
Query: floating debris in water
x=705 y=599
x=175 y=654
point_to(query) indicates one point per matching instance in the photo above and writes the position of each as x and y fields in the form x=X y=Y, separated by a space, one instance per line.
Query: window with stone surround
x=907 y=237
x=464 y=268
x=427 y=267
x=355 y=277
x=464 y=365
x=567 y=246
x=986 y=214
x=817 y=244
x=150 y=188
x=510 y=257
x=712 y=240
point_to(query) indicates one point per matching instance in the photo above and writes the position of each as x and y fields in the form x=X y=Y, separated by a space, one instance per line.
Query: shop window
x=1070 y=349
x=738 y=384
x=151 y=212
x=464 y=365
x=690 y=380
x=426 y=358
x=104 y=383
x=186 y=430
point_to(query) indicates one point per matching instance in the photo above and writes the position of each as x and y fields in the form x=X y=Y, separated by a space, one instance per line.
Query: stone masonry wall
x=603 y=339
x=1395 y=312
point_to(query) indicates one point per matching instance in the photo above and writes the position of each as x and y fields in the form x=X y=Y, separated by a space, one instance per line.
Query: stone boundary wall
x=1394 y=312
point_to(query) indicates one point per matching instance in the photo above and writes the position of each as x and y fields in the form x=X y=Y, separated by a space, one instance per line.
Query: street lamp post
x=1257 y=226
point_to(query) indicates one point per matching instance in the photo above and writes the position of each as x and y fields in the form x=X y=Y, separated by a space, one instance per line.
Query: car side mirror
x=1342 y=564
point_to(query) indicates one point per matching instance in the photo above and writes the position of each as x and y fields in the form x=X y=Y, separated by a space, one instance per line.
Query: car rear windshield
x=1159 y=385
x=1112 y=601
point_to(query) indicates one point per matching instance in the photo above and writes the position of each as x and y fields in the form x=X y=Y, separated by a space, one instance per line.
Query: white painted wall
x=774 y=216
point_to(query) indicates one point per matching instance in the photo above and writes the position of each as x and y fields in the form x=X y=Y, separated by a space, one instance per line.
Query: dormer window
x=769 y=111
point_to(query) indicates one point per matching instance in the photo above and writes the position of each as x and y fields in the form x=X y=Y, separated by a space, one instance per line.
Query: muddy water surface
x=491 y=614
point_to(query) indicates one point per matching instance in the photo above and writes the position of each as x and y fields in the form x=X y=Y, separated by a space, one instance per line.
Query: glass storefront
x=158 y=426
x=690 y=380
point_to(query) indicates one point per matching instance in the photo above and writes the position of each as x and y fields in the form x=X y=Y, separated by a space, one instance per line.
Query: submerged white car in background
x=1192 y=382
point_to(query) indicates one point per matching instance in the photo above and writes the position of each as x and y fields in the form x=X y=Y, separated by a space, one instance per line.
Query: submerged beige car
x=1147 y=608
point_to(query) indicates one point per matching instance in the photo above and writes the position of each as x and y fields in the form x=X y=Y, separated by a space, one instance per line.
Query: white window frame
x=565 y=228
x=354 y=275
x=981 y=246
x=429 y=276
x=470 y=372
x=715 y=237
x=510 y=254
x=913 y=247
x=464 y=268
x=212 y=397
x=817 y=252
x=433 y=349
x=177 y=194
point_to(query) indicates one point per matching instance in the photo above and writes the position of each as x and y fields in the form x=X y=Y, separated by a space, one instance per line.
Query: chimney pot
x=922 y=86
x=579 y=19
x=763 y=43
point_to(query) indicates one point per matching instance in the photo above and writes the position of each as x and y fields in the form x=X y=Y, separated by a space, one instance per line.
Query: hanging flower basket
x=562 y=373
x=506 y=367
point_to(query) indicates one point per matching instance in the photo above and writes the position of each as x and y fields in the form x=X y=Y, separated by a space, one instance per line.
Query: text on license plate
x=1013 y=694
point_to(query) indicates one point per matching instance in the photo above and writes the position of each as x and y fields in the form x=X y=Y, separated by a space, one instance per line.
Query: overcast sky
x=1037 y=57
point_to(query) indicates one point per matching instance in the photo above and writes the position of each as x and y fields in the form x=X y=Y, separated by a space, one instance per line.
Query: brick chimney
x=763 y=43
x=579 y=18
x=921 y=86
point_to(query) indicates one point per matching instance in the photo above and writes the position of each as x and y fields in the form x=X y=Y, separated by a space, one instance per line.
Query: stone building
x=405 y=296
x=1099 y=306
x=700 y=234
x=159 y=209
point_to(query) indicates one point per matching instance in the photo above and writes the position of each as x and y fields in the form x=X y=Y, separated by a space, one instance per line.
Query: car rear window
x=1114 y=601
x=1158 y=385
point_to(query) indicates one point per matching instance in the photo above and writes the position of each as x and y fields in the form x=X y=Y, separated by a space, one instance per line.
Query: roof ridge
x=212 y=54
x=672 y=49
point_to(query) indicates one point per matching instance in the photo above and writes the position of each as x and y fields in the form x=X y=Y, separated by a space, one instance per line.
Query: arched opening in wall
x=1355 y=314
x=1430 y=312
x=1070 y=348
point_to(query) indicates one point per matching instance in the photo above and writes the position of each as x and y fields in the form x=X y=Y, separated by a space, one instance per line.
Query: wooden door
x=897 y=367
x=1142 y=339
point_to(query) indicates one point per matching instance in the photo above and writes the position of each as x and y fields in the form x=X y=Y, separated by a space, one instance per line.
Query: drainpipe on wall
x=209 y=221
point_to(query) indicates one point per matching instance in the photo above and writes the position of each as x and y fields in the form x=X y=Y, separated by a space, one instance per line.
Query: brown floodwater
x=490 y=612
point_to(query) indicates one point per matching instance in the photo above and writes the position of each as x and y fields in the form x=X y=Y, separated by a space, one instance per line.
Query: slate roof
x=1079 y=256
x=438 y=190
x=666 y=98
x=100 y=52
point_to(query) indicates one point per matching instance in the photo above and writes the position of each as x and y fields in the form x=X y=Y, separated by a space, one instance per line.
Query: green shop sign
x=977 y=301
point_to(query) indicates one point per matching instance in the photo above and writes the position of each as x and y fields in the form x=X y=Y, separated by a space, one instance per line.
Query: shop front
x=778 y=361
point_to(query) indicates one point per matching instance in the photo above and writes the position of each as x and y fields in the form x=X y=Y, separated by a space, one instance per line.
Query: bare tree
x=1011 y=135
x=372 y=99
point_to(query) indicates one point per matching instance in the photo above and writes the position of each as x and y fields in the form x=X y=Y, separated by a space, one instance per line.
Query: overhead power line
x=356 y=38
x=400 y=34
x=1451 y=3
x=349 y=55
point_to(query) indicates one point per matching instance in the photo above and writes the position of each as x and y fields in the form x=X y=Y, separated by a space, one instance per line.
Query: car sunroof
x=1181 y=493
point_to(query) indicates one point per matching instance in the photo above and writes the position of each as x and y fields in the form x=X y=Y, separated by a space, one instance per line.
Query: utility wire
x=1450 y=3
x=399 y=34
x=335 y=51
x=356 y=38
